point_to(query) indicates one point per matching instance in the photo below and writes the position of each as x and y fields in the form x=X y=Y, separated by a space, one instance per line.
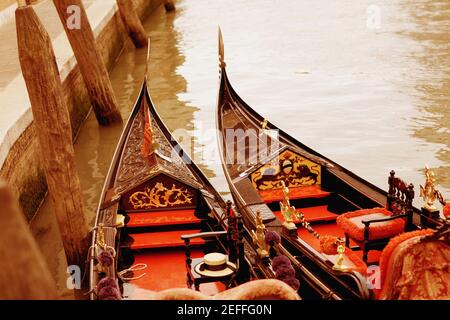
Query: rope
x=307 y=226
x=136 y=267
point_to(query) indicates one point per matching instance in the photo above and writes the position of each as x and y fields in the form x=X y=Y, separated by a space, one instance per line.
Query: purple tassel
x=284 y=272
x=272 y=238
x=109 y=293
x=105 y=258
x=280 y=261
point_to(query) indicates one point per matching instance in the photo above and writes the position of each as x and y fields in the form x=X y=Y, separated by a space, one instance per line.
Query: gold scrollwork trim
x=160 y=197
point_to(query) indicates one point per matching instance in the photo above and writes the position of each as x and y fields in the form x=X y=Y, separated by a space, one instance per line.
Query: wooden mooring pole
x=24 y=274
x=81 y=37
x=52 y=123
x=132 y=23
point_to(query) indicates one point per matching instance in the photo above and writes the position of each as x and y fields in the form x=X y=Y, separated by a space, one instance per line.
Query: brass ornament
x=289 y=212
x=259 y=237
x=264 y=124
x=429 y=193
x=160 y=197
x=100 y=239
x=339 y=265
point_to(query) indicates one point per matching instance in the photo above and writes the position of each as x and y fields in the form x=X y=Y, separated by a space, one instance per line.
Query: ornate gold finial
x=285 y=189
x=429 y=193
x=289 y=212
x=264 y=124
x=100 y=239
x=339 y=265
x=259 y=236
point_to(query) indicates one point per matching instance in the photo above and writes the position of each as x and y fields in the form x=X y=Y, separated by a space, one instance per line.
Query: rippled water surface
x=366 y=83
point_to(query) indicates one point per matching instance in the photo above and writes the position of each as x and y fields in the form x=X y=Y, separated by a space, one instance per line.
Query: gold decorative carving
x=293 y=169
x=264 y=124
x=160 y=197
x=259 y=237
x=339 y=265
x=429 y=193
x=134 y=168
x=289 y=212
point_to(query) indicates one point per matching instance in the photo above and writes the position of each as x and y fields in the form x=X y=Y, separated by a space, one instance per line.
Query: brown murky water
x=365 y=83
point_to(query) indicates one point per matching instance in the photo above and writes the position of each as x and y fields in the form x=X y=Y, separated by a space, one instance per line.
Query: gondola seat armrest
x=204 y=235
x=393 y=217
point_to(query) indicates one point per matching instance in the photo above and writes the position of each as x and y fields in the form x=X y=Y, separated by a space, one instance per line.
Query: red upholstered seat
x=351 y=224
x=314 y=191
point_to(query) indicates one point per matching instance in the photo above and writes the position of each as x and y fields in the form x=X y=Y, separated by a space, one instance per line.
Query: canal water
x=366 y=83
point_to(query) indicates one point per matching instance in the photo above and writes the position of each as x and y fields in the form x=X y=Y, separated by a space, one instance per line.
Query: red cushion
x=447 y=211
x=351 y=224
x=294 y=193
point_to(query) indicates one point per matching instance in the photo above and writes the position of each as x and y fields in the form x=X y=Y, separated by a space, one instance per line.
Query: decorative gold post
x=264 y=124
x=339 y=265
x=430 y=194
x=259 y=237
x=289 y=213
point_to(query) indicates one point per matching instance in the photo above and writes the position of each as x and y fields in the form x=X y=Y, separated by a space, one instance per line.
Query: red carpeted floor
x=162 y=218
x=165 y=239
x=314 y=191
x=313 y=214
x=166 y=270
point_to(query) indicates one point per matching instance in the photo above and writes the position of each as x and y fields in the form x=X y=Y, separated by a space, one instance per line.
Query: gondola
x=313 y=202
x=159 y=217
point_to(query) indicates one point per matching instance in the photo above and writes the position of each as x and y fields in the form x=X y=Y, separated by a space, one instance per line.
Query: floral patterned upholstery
x=416 y=270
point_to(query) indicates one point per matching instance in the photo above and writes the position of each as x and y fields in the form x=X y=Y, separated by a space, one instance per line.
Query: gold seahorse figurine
x=429 y=193
x=289 y=212
x=259 y=236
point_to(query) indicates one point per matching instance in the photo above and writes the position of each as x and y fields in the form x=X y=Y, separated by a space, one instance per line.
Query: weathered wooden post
x=132 y=23
x=24 y=275
x=81 y=37
x=52 y=123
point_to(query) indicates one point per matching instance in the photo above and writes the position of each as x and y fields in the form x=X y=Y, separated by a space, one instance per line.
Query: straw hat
x=215 y=265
